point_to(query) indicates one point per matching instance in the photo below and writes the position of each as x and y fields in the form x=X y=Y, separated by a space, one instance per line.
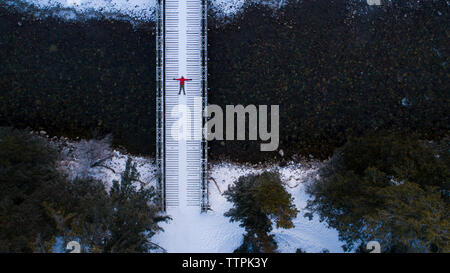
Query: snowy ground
x=191 y=231
x=213 y=232
x=134 y=10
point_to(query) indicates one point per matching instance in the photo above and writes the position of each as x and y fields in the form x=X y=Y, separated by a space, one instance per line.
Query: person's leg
x=184 y=90
x=180 y=89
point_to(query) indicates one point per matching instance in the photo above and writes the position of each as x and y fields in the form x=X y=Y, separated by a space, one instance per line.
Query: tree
x=359 y=183
x=123 y=220
x=29 y=182
x=412 y=220
x=135 y=215
x=86 y=214
x=259 y=199
x=38 y=204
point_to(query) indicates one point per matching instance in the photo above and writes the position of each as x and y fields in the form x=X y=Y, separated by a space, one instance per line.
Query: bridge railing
x=204 y=53
x=160 y=161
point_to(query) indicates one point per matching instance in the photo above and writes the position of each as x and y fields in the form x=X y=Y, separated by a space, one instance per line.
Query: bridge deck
x=183 y=154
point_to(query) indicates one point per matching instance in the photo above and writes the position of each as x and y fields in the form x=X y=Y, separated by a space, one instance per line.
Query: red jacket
x=182 y=80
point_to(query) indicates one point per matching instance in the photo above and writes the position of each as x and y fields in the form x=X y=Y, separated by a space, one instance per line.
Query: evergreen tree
x=86 y=214
x=412 y=220
x=122 y=221
x=257 y=199
x=29 y=182
x=362 y=182
x=38 y=204
x=135 y=216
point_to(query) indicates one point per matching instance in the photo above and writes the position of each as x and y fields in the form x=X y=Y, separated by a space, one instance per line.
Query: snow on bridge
x=181 y=145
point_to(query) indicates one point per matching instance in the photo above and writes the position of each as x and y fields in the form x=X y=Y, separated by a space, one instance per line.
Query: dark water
x=334 y=76
x=79 y=79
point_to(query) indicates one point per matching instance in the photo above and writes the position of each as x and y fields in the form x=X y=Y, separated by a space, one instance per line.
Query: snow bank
x=75 y=163
x=231 y=7
x=133 y=10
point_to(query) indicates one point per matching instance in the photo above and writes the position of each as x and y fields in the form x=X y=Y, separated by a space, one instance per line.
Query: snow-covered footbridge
x=181 y=143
